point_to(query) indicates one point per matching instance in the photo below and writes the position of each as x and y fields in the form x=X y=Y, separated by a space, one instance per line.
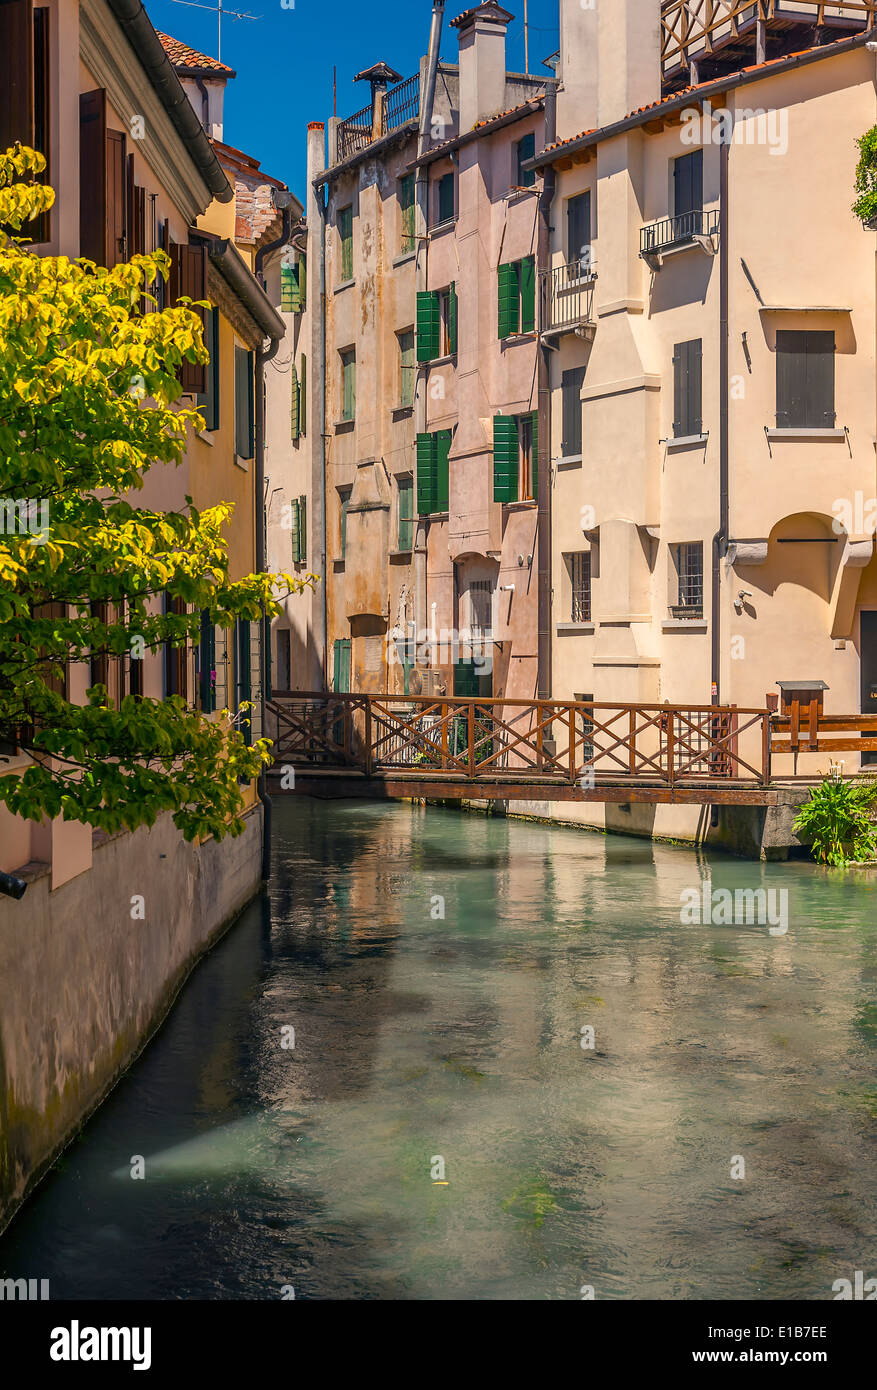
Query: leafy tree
x=88 y=383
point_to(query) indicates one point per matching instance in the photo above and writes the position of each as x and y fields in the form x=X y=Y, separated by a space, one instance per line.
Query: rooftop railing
x=400 y=105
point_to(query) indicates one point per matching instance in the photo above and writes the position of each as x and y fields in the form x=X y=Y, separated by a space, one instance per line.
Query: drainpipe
x=420 y=277
x=720 y=539
x=316 y=225
x=543 y=487
x=264 y=355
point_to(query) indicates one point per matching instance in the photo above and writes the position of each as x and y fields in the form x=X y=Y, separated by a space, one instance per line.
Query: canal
x=381 y=1083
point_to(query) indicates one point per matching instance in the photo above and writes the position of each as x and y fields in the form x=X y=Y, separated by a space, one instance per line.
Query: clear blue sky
x=284 y=59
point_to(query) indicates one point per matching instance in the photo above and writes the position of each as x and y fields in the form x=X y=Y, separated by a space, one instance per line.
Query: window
x=175 y=658
x=444 y=199
x=298 y=520
x=284 y=659
x=585 y=728
x=292 y=287
x=524 y=150
x=243 y=403
x=687 y=389
x=433 y=481
x=407 y=240
x=244 y=660
x=805 y=379
x=188 y=277
x=579 y=567
x=207 y=664
x=515 y=457
x=405 y=487
x=578 y=232
x=688 y=193
x=407 y=367
x=436 y=323
x=345 y=233
x=517 y=297
x=208 y=400
x=481 y=592
x=571 y=401
x=344 y=500
x=348 y=384
x=688 y=585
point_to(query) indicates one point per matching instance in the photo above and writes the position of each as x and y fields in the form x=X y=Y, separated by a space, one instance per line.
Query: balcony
x=669 y=234
x=566 y=299
x=387 y=112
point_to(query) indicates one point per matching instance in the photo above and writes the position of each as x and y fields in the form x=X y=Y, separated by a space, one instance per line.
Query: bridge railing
x=567 y=741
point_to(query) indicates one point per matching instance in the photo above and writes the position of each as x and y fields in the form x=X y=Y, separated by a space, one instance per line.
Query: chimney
x=481 y=32
x=610 y=62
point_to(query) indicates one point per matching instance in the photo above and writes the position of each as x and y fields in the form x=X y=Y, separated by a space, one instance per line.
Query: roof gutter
x=693 y=95
x=137 y=27
x=235 y=271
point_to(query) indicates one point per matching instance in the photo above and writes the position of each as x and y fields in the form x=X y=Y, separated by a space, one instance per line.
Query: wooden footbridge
x=545 y=750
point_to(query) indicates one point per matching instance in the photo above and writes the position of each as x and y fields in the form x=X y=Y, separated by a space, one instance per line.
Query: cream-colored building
x=710 y=319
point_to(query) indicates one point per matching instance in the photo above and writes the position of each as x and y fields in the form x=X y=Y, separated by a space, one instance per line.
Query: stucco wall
x=85 y=984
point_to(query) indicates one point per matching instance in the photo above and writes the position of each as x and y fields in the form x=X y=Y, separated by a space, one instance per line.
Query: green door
x=341 y=683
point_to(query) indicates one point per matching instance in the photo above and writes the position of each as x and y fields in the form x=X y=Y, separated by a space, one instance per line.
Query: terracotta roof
x=186 y=59
x=524 y=108
x=491 y=11
x=715 y=84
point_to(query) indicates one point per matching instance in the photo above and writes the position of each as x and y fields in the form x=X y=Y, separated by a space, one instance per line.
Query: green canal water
x=438 y=971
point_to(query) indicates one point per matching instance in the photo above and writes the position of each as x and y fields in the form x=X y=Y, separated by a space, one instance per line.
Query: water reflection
x=438 y=971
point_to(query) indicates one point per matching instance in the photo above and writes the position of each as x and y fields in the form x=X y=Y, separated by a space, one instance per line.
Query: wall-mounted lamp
x=507 y=587
x=740 y=600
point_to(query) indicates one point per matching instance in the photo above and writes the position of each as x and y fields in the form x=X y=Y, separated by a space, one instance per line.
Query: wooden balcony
x=705 y=38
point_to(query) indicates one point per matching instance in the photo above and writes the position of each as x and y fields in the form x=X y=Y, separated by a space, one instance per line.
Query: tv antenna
x=219 y=11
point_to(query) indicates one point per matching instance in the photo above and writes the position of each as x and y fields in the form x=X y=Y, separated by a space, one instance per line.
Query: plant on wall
x=865 y=206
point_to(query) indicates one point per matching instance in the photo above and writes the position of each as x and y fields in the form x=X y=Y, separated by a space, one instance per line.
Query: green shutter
x=290 y=294
x=345 y=232
x=245 y=682
x=427 y=326
x=452 y=317
x=406 y=201
x=534 y=424
x=303 y=530
x=426 y=473
x=508 y=299
x=528 y=294
x=303 y=394
x=295 y=522
x=505 y=458
x=207 y=663
x=302 y=283
x=295 y=425
x=442 y=477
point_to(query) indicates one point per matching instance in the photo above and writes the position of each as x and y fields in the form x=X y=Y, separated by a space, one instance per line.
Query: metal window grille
x=689 y=572
x=580 y=576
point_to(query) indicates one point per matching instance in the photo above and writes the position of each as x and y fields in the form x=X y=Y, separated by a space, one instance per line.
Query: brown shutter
x=130 y=192
x=189 y=277
x=117 y=199
x=92 y=173
x=16 y=88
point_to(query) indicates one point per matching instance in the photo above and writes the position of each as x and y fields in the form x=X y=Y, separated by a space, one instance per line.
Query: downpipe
x=543 y=488
x=720 y=539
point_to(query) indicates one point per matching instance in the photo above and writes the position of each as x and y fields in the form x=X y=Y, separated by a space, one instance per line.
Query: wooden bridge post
x=632 y=743
x=444 y=718
x=572 y=743
x=671 y=749
x=471 y=738
x=765 y=749
x=369 y=753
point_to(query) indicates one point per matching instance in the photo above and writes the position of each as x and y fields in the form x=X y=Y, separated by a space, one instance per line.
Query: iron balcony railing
x=677 y=231
x=401 y=104
x=567 y=296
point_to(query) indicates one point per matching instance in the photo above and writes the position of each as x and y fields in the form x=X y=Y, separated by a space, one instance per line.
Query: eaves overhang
x=224 y=255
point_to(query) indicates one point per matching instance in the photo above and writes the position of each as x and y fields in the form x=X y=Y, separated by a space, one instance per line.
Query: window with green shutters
x=290 y=292
x=516 y=297
x=405 y=484
x=445 y=199
x=344 y=498
x=295 y=403
x=348 y=384
x=208 y=401
x=302 y=269
x=436 y=323
x=407 y=367
x=407 y=240
x=303 y=396
x=525 y=149
x=433 y=475
x=345 y=234
x=298 y=517
x=515 y=457
x=244 y=420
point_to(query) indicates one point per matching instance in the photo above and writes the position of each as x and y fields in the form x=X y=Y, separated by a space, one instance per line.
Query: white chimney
x=610 y=61
x=481 y=32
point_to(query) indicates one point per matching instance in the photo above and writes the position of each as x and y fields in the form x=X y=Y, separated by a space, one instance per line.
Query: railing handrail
x=466 y=700
x=702 y=221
